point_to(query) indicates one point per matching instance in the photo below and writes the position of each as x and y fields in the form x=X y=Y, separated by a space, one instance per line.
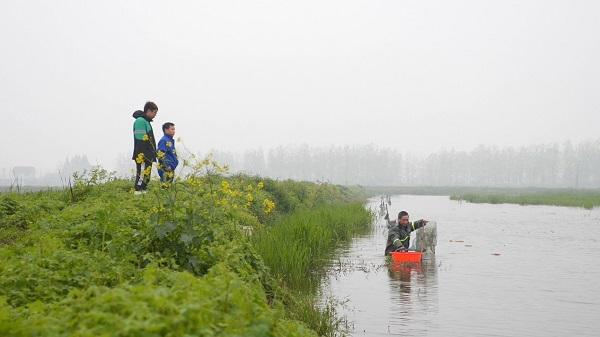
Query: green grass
x=296 y=247
x=371 y=191
x=585 y=198
x=570 y=198
x=95 y=260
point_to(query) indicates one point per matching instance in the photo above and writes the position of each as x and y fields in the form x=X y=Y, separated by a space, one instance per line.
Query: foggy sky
x=418 y=76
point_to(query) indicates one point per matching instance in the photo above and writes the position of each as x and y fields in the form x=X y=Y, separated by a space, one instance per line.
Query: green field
x=213 y=255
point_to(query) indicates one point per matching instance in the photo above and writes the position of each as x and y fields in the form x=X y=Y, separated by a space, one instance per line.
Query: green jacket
x=143 y=138
x=399 y=236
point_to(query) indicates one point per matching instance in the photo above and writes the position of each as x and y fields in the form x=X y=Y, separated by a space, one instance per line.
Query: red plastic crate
x=406 y=256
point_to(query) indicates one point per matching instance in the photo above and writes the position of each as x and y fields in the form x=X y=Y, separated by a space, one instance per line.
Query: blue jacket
x=167 y=156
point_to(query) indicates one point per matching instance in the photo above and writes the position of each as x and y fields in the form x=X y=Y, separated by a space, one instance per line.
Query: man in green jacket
x=144 y=145
x=399 y=232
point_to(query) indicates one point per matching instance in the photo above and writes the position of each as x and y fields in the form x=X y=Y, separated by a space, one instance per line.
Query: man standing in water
x=399 y=232
x=144 y=147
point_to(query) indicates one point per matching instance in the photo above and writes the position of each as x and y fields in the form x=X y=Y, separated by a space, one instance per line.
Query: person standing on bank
x=144 y=147
x=166 y=154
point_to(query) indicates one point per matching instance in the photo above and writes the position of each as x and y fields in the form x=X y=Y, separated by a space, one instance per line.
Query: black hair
x=402 y=213
x=167 y=126
x=150 y=106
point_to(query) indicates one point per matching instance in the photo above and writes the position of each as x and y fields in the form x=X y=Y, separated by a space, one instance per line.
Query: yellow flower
x=225 y=186
x=261 y=185
x=140 y=158
x=146 y=137
x=268 y=206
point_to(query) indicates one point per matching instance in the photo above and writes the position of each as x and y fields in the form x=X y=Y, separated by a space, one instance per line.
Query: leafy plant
x=195 y=258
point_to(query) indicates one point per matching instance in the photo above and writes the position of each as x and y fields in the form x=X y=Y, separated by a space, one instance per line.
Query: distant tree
x=78 y=163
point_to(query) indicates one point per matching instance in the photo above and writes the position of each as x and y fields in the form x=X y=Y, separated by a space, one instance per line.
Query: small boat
x=410 y=257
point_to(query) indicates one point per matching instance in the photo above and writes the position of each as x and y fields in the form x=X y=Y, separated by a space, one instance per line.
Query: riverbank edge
x=565 y=197
x=26 y=215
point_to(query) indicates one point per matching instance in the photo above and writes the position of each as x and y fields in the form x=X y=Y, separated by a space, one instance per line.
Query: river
x=499 y=270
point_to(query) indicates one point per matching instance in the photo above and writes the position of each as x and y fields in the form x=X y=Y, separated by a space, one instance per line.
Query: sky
x=417 y=76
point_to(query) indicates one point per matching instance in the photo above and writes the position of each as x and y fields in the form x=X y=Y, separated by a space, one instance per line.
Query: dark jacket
x=399 y=236
x=143 y=138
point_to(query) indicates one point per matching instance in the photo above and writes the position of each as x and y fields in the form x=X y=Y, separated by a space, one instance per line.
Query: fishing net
x=426 y=238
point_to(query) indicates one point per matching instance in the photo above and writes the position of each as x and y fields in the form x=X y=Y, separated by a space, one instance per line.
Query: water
x=499 y=270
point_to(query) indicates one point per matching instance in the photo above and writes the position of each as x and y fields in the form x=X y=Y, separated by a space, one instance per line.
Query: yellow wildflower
x=225 y=186
x=268 y=206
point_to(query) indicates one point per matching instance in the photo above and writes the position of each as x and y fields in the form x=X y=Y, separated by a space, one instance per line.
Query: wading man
x=399 y=232
x=144 y=146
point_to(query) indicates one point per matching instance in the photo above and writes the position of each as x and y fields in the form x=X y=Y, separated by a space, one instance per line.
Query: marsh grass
x=296 y=249
x=298 y=246
x=570 y=198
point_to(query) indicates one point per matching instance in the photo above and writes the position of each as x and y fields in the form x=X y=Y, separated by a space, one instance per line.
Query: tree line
x=565 y=165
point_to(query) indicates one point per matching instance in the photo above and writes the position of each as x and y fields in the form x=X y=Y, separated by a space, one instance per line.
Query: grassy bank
x=585 y=198
x=297 y=247
x=571 y=198
x=94 y=260
x=371 y=191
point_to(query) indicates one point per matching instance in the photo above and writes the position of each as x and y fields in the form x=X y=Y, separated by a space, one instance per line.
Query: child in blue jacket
x=166 y=154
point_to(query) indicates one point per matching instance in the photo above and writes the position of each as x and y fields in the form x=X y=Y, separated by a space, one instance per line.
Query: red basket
x=406 y=256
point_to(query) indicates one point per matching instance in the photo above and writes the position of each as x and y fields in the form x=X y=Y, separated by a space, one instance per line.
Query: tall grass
x=587 y=200
x=296 y=248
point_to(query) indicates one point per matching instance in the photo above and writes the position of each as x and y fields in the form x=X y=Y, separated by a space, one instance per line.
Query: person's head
x=169 y=129
x=150 y=109
x=403 y=218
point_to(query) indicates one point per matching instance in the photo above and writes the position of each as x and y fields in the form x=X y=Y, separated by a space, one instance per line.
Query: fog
x=417 y=79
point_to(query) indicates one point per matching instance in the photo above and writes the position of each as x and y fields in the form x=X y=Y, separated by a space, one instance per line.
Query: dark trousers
x=166 y=176
x=142 y=175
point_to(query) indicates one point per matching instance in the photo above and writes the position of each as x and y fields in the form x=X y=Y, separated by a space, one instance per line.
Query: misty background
x=464 y=93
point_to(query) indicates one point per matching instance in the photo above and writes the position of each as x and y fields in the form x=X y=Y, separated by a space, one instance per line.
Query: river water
x=499 y=270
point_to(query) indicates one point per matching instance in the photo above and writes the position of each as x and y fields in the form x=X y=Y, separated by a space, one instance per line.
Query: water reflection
x=402 y=275
x=413 y=296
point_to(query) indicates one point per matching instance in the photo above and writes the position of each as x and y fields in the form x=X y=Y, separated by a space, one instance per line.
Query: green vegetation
x=554 y=197
x=95 y=260
x=296 y=248
x=463 y=190
x=586 y=198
